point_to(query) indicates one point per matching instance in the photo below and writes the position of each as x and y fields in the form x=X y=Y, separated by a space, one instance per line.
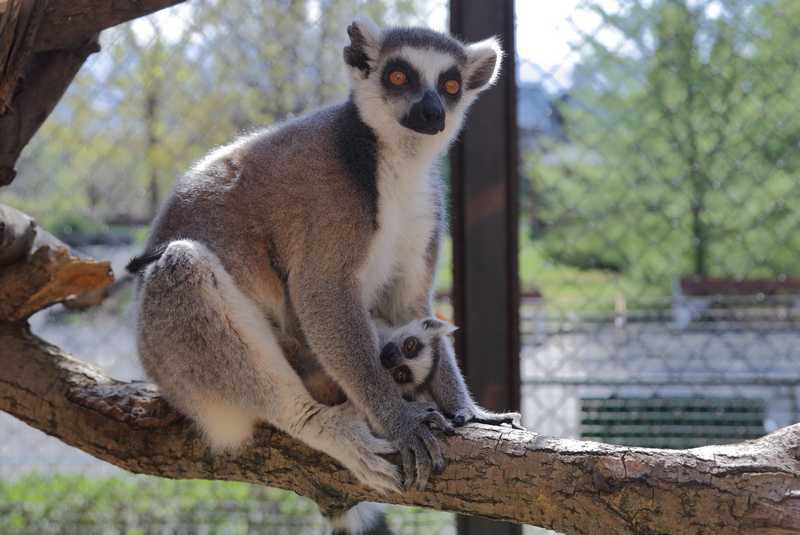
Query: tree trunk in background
x=151 y=120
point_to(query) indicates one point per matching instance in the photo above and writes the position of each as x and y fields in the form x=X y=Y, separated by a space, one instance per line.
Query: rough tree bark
x=567 y=485
x=38 y=270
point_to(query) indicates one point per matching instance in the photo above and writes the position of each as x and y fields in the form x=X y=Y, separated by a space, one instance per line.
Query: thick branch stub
x=567 y=485
x=37 y=270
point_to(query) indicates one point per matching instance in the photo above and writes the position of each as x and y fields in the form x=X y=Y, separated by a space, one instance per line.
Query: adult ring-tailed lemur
x=310 y=229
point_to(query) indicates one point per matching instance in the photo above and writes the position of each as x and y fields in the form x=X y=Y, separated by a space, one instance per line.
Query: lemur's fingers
x=423 y=459
x=383 y=481
x=382 y=476
x=436 y=453
x=407 y=460
x=437 y=420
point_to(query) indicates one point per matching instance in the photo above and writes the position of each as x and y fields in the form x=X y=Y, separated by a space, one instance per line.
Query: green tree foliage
x=168 y=88
x=683 y=144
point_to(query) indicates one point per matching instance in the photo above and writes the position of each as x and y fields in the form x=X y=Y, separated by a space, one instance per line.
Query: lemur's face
x=416 y=80
x=410 y=353
x=419 y=97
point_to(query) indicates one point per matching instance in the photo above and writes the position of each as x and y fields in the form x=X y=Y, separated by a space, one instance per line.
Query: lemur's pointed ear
x=438 y=327
x=365 y=43
x=483 y=64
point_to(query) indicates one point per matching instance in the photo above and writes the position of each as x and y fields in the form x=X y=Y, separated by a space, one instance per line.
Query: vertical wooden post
x=484 y=182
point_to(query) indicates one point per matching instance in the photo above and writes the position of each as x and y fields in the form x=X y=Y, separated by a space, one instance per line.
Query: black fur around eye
x=400 y=66
x=411 y=347
x=448 y=77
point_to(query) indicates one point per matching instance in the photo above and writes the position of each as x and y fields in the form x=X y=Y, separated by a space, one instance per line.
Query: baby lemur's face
x=409 y=352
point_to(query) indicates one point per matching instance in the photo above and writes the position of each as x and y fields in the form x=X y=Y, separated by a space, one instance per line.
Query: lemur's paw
x=371 y=469
x=420 y=452
x=482 y=416
x=358 y=450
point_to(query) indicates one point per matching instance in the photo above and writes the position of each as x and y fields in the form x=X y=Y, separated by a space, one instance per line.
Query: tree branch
x=66 y=24
x=42 y=46
x=567 y=485
x=46 y=77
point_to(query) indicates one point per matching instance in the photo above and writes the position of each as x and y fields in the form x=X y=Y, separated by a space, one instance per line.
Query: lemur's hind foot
x=355 y=447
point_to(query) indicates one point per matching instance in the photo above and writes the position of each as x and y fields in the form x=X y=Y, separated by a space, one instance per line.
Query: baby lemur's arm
x=413 y=298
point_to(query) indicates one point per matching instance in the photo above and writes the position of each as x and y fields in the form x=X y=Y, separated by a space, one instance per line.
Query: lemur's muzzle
x=390 y=356
x=427 y=115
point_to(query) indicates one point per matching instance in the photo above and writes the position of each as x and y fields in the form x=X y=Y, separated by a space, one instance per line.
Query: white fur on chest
x=406 y=222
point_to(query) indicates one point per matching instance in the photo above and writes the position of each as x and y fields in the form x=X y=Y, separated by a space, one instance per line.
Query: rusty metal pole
x=484 y=181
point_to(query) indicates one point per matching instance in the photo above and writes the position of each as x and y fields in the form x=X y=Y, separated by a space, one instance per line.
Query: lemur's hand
x=482 y=416
x=420 y=451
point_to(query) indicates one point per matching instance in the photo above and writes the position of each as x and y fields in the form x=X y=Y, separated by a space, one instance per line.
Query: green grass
x=66 y=504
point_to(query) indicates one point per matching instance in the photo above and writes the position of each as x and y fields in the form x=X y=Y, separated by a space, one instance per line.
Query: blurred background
x=659 y=232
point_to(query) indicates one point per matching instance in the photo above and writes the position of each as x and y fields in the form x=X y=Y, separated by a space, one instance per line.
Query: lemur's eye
x=410 y=346
x=452 y=87
x=398 y=78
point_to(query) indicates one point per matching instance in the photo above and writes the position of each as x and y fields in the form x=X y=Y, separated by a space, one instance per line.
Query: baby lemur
x=408 y=354
x=314 y=226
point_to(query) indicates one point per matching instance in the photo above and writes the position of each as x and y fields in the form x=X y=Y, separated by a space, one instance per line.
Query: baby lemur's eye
x=398 y=78
x=410 y=347
x=452 y=86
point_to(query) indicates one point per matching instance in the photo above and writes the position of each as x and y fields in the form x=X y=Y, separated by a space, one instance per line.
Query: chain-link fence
x=661 y=233
x=659 y=245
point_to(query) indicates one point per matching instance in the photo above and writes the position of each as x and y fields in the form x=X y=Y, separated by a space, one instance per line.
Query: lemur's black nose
x=427 y=115
x=432 y=109
x=390 y=355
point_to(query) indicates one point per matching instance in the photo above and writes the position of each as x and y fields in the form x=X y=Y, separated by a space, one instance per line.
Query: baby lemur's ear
x=365 y=44
x=483 y=64
x=437 y=327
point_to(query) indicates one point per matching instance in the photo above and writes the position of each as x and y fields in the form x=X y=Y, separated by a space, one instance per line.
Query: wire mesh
x=660 y=229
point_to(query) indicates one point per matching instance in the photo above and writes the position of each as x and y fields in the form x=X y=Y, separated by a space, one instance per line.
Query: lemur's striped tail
x=365 y=518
